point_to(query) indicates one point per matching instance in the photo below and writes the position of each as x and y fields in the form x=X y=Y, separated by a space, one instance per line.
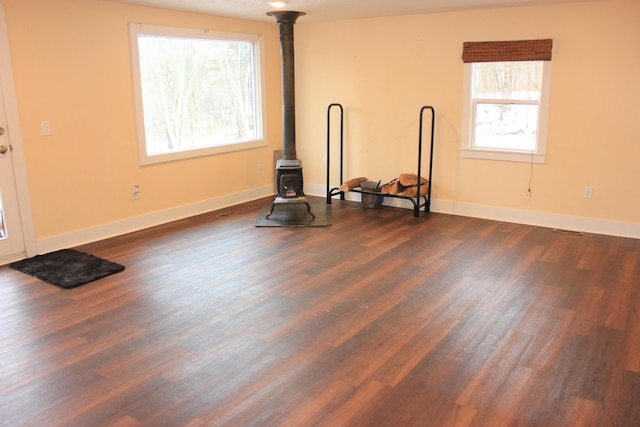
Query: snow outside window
x=505 y=110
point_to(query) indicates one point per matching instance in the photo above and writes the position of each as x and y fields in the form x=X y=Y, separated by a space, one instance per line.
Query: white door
x=17 y=239
x=11 y=239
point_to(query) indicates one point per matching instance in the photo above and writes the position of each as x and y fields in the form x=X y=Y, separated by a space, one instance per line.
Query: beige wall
x=71 y=64
x=384 y=70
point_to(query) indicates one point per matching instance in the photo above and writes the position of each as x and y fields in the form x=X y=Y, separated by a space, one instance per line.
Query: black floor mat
x=67 y=268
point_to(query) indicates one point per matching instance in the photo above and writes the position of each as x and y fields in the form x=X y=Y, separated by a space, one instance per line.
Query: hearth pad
x=294 y=215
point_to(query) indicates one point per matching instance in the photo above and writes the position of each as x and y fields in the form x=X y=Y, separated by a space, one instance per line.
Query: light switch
x=45 y=126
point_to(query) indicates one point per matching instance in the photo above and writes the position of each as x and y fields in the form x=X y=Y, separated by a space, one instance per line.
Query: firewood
x=392 y=187
x=352 y=183
x=410 y=179
x=413 y=191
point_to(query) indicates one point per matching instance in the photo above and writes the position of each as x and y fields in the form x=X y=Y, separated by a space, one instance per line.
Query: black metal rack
x=418 y=201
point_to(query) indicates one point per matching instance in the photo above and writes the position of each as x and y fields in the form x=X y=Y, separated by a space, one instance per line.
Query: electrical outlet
x=588 y=192
x=135 y=192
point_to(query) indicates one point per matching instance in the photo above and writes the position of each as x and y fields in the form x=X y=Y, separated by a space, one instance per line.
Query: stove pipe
x=285 y=20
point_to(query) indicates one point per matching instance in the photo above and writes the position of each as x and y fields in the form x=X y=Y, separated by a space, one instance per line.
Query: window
x=197 y=92
x=507 y=87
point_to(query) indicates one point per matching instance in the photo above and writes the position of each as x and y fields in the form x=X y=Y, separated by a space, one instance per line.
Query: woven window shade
x=519 y=50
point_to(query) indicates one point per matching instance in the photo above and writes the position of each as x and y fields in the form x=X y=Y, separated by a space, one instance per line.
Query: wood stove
x=289 y=181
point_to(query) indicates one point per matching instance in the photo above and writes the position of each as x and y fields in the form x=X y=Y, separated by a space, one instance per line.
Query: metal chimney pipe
x=285 y=20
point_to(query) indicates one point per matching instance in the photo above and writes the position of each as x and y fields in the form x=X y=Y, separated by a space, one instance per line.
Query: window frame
x=469 y=150
x=138 y=29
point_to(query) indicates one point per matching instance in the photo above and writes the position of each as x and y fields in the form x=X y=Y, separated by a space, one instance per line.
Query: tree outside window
x=197 y=92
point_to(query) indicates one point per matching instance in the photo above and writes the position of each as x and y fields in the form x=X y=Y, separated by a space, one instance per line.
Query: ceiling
x=333 y=10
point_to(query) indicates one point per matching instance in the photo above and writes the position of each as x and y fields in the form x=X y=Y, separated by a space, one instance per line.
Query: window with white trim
x=506 y=103
x=197 y=92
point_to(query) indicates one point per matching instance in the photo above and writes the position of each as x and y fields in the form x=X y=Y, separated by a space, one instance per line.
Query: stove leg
x=273 y=205
x=309 y=210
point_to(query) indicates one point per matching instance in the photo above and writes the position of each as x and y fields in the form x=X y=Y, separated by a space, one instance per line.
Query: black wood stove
x=289 y=182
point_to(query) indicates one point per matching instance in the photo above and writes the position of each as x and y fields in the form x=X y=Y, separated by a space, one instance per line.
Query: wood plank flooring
x=381 y=319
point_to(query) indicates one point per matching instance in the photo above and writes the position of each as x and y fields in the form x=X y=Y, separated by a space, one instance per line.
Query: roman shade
x=499 y=51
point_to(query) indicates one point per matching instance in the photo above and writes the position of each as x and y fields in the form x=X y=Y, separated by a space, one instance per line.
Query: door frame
x=15 y=139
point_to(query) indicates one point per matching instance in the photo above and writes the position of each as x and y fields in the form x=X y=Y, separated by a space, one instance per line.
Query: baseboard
x=518 y=216
x=541 y=219
x=119 y=228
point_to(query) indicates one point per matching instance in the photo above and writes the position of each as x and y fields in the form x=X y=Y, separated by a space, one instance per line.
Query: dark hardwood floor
x=381 y=319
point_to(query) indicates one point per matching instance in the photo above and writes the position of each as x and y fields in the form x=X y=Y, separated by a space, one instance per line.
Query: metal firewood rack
x=417 y=201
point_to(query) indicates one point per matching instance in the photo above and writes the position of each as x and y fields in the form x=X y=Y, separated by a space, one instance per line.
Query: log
x=392 y=187
x=352 y=183
x=413 y=191
x=411 y=179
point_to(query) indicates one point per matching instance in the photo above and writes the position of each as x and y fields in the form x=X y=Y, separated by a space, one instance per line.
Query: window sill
x=505 y=156
x=145 y=159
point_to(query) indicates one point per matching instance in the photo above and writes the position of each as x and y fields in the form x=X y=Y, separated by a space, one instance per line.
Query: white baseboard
x=119 y=228
x=541 y=219
x=518 y=216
